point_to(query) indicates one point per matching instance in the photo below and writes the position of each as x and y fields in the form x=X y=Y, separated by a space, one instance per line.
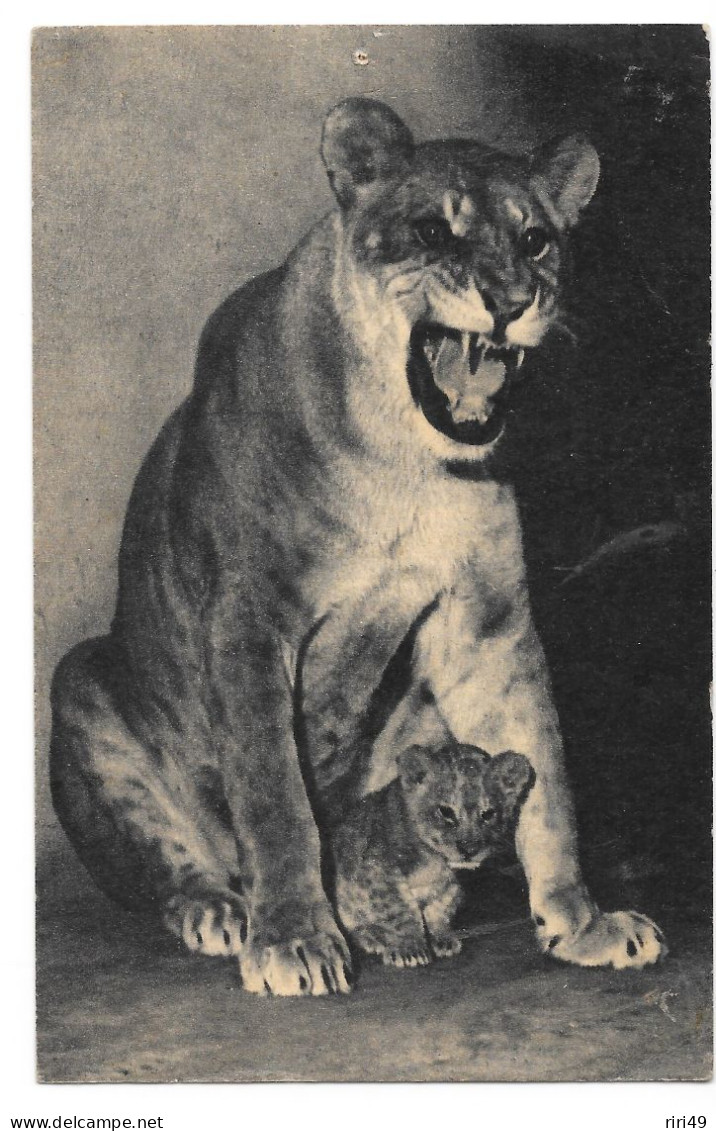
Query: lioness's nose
x=503 y=314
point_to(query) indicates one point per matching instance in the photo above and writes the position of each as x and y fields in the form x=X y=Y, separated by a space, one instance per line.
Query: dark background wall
x=171 y=164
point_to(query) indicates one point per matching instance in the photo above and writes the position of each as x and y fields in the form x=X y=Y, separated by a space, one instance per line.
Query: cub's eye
x=434 y=232
x=534 y=243
x=447 y=815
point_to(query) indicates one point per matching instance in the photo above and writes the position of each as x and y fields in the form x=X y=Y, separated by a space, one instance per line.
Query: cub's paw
x=314 y=959
x=404 y=956
x=446 y=945
x=619 y=939
x=208 y=924
x=393 y=948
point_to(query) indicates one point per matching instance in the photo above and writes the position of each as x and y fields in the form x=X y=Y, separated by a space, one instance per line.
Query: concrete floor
x=120 y=1002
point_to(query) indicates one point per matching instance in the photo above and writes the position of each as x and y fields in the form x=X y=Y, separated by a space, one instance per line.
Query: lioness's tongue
x=461 y=371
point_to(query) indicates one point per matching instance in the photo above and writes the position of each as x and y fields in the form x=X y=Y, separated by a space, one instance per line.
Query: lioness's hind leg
x=138 y=821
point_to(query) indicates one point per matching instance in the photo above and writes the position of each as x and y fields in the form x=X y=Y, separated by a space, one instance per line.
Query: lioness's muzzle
x=461 y=381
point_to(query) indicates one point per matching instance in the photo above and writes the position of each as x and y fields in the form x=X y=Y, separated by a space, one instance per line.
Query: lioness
x=323 y=502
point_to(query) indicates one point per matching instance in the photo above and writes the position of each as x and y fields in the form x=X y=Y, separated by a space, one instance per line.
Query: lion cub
x=397 y=852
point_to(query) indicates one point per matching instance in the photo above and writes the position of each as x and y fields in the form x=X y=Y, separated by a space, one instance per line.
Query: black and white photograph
x=372 y=553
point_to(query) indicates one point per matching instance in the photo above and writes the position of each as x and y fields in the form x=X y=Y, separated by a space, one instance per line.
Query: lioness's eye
x=447 y=815
x=534 y=242
x=434 y=232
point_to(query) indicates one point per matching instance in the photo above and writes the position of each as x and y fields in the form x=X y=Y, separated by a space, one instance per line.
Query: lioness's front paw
x=618 y=938
x=313 y=960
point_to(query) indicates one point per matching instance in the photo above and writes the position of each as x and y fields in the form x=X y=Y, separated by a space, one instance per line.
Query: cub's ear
x=363 y=141
x=514 y=776
x=566 y=172
x=413 y=765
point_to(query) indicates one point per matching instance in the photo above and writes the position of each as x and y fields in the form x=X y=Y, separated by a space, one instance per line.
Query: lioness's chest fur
x=426 y=534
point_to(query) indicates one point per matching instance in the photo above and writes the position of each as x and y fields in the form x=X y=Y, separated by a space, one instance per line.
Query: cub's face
x=449 y=265
x=462 y=803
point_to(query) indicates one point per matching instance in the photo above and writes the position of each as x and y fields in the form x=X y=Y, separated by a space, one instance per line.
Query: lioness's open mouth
x=461 y=381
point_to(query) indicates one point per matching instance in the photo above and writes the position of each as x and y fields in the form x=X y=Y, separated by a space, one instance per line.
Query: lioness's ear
x=363 y=141
x=567 y=172
x=413 y=765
